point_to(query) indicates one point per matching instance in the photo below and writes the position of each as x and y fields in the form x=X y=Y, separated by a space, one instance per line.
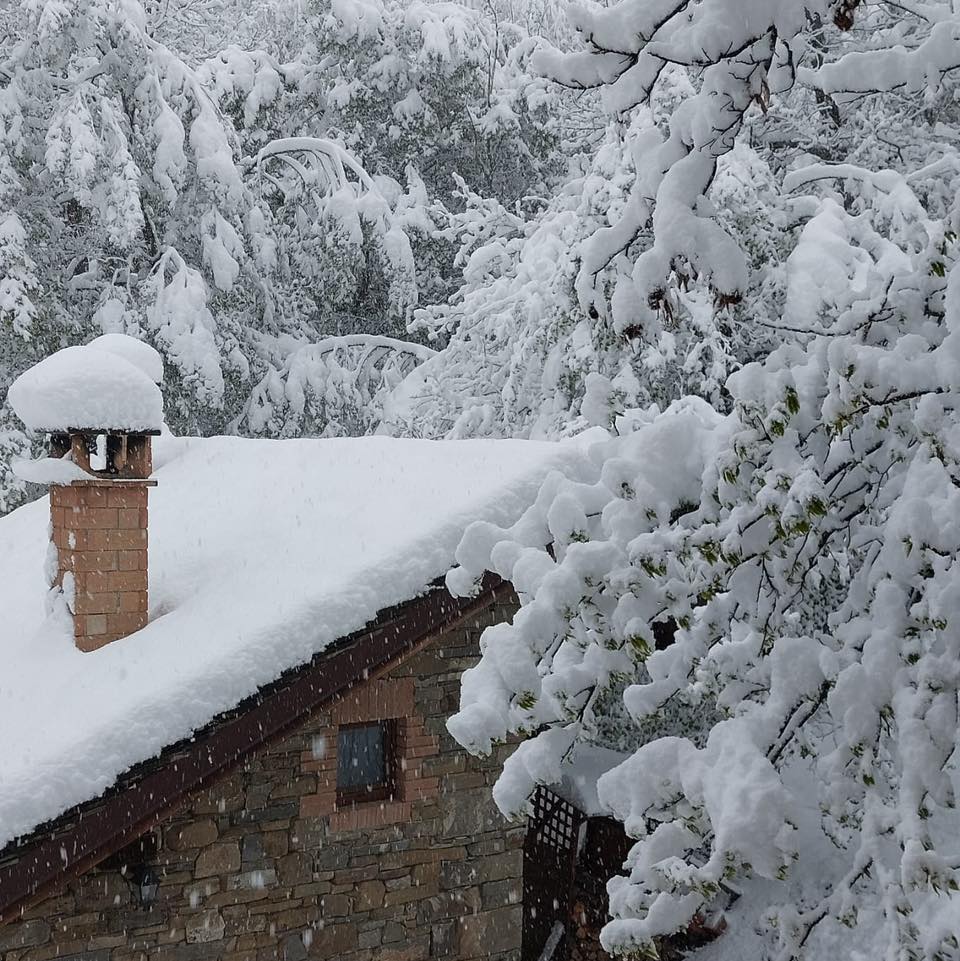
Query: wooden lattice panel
x=549 y=864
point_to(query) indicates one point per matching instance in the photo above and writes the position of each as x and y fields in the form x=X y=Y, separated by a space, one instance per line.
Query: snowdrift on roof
x=262 y=553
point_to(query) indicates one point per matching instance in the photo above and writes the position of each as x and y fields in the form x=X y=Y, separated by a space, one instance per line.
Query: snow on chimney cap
x=109 y=385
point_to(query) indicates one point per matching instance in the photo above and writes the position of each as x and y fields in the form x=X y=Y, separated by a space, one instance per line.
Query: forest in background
x=237 y=184
x=724 y=232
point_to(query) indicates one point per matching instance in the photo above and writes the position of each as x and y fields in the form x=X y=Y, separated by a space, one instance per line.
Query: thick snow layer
x=749 y=934
x=261 y=554
x=49 y=470
x=581 y=775
x=135 y=351
x=108 y=386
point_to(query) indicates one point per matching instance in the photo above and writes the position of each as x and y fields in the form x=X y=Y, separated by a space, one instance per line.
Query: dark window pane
x=361 y=757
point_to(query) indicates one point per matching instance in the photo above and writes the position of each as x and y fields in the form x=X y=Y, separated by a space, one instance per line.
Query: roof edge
x=34 y=866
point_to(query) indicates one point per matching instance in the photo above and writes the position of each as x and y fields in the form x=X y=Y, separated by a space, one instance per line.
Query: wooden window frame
x=389 y=789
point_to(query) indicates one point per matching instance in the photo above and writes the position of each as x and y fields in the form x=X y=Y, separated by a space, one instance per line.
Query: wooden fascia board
x=33 y=868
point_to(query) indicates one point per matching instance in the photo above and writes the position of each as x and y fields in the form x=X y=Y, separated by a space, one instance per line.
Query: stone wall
x=248 y=871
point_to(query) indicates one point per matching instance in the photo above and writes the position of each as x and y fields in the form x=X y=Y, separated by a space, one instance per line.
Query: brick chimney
x=100 y=533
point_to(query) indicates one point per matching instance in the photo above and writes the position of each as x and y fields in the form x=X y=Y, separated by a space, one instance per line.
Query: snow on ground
x=261 y=554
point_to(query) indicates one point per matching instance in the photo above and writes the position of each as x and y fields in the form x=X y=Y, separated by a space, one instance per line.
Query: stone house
x=251 y=760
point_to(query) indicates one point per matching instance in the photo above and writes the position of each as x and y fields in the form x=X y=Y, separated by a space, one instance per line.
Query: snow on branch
x=741 y=55
x=324 y=167
x=761 y=606
x=910 y=69
x=336 y=387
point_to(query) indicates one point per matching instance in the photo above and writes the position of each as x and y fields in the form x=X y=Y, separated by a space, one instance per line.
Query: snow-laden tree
x=142 y=195
x=201 y=28
x=344 y=259
x=540 y=18
x=424 y=92
x=337 y=259
x=439 y=86
x=548 y=296
x=774 y=589
x=124 y=203
x=421 y=94
x=333 y=388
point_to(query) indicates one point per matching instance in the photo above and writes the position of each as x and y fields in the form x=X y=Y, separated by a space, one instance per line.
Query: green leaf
x=793 y=401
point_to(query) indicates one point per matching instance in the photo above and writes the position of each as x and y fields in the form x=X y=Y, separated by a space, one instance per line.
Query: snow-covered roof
x=261 y=554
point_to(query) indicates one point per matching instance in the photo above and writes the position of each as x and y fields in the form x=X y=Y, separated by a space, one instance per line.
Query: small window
x=365 y=762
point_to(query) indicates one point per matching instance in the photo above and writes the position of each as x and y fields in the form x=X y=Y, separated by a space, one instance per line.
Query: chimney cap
x=110 y=455
x=103 y=388
x=108 y=431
